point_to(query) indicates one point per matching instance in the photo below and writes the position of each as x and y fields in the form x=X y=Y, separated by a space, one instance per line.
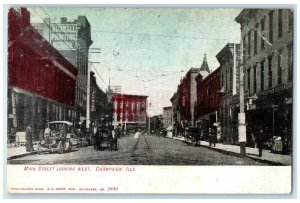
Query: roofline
x=135 y=95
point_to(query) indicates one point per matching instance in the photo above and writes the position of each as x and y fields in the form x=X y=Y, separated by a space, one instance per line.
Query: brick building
x=73 y=40
x=41 y=82
x=208 y=99
x=167 y=116
x=267 y=41
x=187 y=97
x=130 y=111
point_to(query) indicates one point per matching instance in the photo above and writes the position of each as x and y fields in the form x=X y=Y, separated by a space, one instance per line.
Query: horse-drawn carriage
x=192 y=135
x=106 y=137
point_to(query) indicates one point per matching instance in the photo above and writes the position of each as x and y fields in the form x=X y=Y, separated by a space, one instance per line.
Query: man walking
x=29 y=145
x=260 y=142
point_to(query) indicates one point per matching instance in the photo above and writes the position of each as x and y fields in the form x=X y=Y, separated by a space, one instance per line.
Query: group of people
x=262 y=140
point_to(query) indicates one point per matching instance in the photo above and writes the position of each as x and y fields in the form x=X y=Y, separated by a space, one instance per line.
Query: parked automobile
x=58 y=137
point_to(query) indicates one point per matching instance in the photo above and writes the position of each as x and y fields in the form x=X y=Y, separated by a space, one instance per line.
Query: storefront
x=271 y=112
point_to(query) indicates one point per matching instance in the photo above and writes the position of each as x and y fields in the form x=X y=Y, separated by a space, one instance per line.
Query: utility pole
x=241 y=115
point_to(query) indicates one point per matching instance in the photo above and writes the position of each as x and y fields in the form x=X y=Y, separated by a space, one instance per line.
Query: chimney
x=63 y=20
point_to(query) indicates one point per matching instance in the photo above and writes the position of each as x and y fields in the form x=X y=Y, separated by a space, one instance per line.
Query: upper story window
x=255 y=39
x=279 y=23
x=262 y=28
x=271 y=26
x=290 y=13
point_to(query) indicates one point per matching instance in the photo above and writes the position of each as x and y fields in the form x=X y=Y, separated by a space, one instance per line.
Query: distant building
x=130 y=111
x=267 y=41
x=41 y=82
x=175 y=107
x=229 y=59
x=72 y=40
x=167 y=116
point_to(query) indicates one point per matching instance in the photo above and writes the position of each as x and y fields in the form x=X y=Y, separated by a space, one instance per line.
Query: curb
x=22 y=155
x=238 y=155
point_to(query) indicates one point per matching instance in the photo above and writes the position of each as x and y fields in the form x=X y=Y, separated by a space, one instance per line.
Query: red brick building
x=130 y=111
x=208 y=98
x=41 y=82
x=186 y=92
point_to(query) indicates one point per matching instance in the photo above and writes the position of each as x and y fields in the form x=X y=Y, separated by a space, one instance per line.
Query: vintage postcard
x=149 y=100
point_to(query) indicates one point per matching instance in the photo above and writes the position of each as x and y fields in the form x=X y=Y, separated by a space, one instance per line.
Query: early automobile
x=57 y=137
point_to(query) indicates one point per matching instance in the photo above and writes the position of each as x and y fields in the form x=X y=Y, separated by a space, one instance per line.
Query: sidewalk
x=267 y=156
x=14 y=152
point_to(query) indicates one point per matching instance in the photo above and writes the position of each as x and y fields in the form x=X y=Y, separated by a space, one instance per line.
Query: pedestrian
x=209 y=136
x=114 y=141
x=285 y=143
x=29 y=145
x=214 y=136
x=260 y=139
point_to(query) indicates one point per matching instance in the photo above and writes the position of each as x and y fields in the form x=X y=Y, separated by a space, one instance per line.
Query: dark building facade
x=267 y=41
x=98 y=101
x=229 y=59
x=41 y=82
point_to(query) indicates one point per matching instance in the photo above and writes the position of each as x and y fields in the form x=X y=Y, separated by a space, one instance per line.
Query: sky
x=148 y=50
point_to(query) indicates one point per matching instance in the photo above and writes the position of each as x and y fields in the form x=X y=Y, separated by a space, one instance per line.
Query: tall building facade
x=267 y=44
x=41 y=82
x=208 y=100
x=187 y=97
x=72 y=40
x=130 y=111
x=229 y=59
x=167 y=116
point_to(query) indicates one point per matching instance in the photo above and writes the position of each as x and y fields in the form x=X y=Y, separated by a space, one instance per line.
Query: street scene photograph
x=149 y=86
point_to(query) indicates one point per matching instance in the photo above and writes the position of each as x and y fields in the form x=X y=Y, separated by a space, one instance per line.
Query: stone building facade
x=267 y=44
